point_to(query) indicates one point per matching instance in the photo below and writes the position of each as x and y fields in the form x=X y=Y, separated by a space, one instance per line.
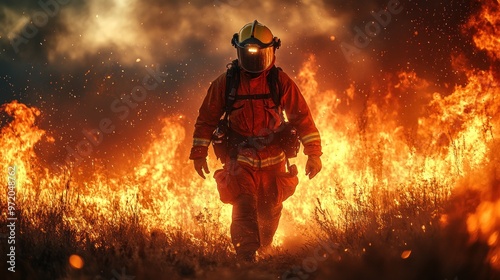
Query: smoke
x=81 y=34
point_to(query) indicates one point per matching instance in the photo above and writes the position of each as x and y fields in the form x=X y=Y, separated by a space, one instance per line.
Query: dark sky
x=73 y=59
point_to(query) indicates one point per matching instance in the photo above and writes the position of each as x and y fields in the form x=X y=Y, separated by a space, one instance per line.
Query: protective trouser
x=256 y=204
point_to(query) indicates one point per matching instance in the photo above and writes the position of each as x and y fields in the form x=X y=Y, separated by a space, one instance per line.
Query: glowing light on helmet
x=252 y=49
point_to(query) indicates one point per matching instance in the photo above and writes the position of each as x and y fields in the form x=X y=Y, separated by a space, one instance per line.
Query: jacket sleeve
x=298 y=115
x=209 y=115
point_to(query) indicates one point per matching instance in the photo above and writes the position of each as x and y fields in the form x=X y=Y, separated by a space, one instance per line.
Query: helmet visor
x=255 y=59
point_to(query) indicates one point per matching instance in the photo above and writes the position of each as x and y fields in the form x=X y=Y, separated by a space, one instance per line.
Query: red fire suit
x=250 y=181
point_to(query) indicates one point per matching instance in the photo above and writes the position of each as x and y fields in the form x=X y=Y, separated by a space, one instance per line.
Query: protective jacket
x=256 y=117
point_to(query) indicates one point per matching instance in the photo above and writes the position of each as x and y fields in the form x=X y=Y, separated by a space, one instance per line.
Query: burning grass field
x=394 y=201
x=418 y=230
x=388 y=205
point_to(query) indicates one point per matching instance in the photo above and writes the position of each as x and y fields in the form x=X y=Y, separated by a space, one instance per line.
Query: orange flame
x=484 y=223
x=486 y=25
x=18 y=139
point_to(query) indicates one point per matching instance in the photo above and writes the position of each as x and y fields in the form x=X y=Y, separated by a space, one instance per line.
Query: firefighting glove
x=200 y=165
x=313 y=166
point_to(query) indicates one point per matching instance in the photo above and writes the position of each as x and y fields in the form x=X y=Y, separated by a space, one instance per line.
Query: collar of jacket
x=252 y=76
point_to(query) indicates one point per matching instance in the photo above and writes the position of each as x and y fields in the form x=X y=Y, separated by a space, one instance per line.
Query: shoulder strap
x=232 y=83
x=275 y=85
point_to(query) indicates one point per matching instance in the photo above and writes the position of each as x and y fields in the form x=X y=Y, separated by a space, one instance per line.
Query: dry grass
x=370 y=238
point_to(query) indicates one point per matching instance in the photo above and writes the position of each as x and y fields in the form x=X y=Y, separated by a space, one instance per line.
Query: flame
x=18 y=139
x=486 y=25
x=484 y=223
x=371 y=154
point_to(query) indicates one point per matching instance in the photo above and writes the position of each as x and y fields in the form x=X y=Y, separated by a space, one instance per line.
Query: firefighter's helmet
x=255 y=45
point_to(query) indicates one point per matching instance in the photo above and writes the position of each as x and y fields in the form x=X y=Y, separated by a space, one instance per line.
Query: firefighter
x=254 y=178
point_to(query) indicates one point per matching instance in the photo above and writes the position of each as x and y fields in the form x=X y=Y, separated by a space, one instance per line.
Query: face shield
x=255 y=59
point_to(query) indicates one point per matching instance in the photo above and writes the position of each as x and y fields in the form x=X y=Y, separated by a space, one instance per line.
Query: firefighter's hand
x=200 y=165
x=313 y=166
